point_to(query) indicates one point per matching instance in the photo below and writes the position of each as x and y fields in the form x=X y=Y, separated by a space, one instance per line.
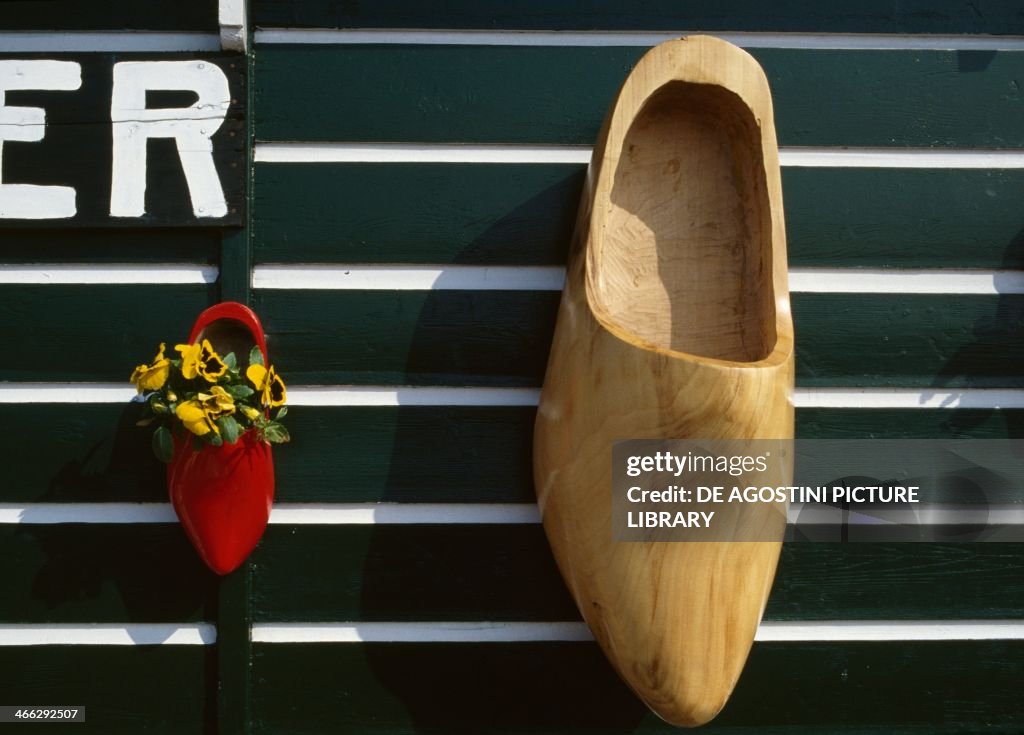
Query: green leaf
x=230 y=361
x=240 y=391
x=163 y=444
x=229 y=429
x=275 y=433
x=255 y=356
x=214 y=439
x=145 y=421
x=281 y=413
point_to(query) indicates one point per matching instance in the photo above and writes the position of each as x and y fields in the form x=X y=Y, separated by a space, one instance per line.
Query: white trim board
x=382 y=395
x=526 y=632
x=792 y=156
x=366 y=277
x=234 y=25
x=745 y=39
x=88 y=41
x=52 y=513
x=108 y=634
x=361 y=514
x=106 y=273
x=402 y=514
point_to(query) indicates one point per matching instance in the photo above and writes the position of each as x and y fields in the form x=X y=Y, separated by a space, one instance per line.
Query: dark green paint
x=114 y=245
x=92 y=333
x=102 y=573
x=355 y=454
x=408 y=454
x=874 y=16
x=966 y=99
x=524 y=215
x=422 y=337
x=74 y=15
x=926 y=341
x=502 y=337
x=125 y=689
x=79 y=453
x=529 y=688
x=449 y=213
x=505 y=572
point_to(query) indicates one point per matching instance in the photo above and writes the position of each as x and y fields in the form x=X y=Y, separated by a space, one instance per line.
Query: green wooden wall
x=370 y=156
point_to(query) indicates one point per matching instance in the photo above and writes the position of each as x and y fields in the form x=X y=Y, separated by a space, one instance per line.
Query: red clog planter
x=223 y=495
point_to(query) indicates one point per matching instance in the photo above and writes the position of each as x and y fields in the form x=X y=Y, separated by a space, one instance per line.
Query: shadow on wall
x=482 y=573
x=155 y=574
x=972 y=364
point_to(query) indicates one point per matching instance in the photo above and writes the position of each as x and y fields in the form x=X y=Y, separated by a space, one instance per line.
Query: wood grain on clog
x=674 y=323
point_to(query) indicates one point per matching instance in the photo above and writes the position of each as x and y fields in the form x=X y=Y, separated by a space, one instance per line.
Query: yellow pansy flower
x=218 y=402
x=268 y=384
x=200 y=415
x=154 y=375
x=201 y=359
x=195 y=418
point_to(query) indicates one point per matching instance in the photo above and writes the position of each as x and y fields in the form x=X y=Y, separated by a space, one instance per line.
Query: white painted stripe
x=410 y=395
x=820 y=157
x=492 y=278
x=49 y=513
x=390 y=514
x=637 y=38
x=416 y=632
x=85 y=41
x=900 y=158
x=803 y=514
x=359 y=514
x=108 y=634
x=106 y=274
x=527 y=632
x=905 y=281
x=378 y=395
x=66 y=392
x=418 y=153
x=409 y=277
x=908 y=398
x=359 y=277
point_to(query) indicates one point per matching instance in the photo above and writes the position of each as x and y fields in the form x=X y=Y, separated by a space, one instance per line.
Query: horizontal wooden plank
x=505 y=572
x=124 y=689
x=92 y=333
x=502 y=337
x=417 y=337
x=921 y=340
x=371 y=454
x=876 y=16
x=560 y=95
x=102 y=573
x=426 y=454
x=432 y=214
x=568 y=687
x=524 y=215
x=114 y=245
x=70 y=15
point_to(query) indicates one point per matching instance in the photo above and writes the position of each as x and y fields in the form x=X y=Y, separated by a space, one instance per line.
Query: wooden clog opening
x=684 y=257
x=228 y=335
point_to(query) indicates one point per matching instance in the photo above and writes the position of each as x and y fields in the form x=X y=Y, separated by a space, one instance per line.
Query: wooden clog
x=223 y=494
x=674 y=323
